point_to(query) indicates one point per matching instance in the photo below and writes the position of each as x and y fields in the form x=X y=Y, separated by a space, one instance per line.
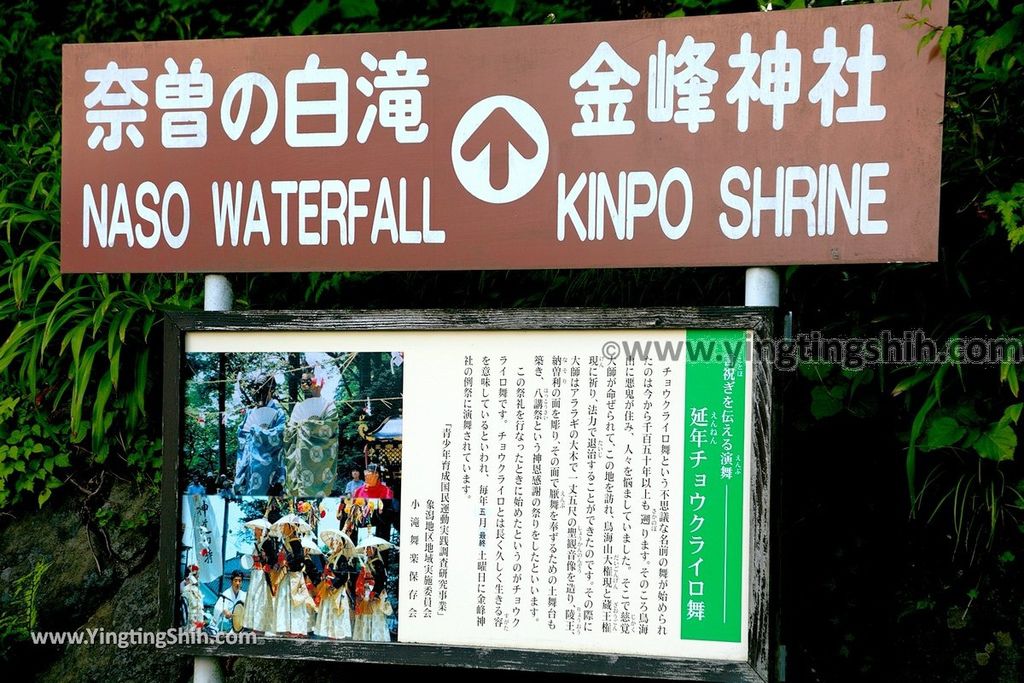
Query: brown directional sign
x=809 y=136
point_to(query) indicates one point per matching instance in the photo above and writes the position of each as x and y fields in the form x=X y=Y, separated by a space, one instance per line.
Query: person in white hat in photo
x=334 y=618
x=259 y=613
x=293 y=605
x=372 y=605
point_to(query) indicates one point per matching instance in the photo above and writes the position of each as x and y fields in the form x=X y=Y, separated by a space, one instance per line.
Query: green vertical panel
x=715 y=458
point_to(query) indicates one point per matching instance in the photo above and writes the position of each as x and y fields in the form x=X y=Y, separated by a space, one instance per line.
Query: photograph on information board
x=325 y=568
x=301 y=425
x=292 y=478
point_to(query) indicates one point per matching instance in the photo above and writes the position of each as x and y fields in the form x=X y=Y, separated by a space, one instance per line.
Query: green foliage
x=306 y=18
x=985 y=47
x=969 y=435
x=827 y=401
x=1009 y=207
x=963 y=427
x=32 y=453
x=110 y=518
x=75 y=356
x=21 y=615
x=702 y=7
x=959 y=421
x=79 y=346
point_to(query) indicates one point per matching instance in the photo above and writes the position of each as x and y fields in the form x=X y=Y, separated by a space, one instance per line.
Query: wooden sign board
x=785 y=137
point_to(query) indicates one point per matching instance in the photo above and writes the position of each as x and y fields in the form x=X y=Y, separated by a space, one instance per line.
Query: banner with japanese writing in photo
x=584 y=491
x=783 y=137
x=202 y=536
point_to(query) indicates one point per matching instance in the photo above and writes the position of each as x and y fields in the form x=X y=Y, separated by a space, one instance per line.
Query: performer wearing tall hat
x=259 y=610
x=293 y=605
x=259 y=469
x=334 y=618
x=372 y=606
x=311 y=443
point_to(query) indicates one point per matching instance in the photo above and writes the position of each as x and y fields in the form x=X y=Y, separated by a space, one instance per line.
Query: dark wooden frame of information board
x=761 y=620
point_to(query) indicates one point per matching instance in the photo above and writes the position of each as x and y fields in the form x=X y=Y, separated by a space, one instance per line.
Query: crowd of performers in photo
x=301 y=588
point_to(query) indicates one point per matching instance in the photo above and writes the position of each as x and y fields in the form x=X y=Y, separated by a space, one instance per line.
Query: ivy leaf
x=943 y=432
x=951 y=35
x=965 y=413
x=998 y=443
x=1009 y=373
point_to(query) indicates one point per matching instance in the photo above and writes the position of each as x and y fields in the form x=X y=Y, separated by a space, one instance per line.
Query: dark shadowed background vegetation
x=901 y=485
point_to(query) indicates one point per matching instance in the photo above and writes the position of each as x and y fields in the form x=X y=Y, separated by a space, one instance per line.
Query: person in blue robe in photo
x=259 y=468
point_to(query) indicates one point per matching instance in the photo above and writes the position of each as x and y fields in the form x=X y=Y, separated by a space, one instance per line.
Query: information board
x=585 y=482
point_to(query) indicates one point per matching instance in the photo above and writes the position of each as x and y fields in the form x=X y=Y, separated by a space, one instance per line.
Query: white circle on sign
x=500 y=149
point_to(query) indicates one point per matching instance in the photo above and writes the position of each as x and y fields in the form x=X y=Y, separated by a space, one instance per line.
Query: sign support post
x=762 y=287
x=217 y=296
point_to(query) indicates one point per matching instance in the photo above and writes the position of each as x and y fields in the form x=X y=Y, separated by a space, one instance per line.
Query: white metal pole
x=762 y=287
x=206 y=670
x=217 y=296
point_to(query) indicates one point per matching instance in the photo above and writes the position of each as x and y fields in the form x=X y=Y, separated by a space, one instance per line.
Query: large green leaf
x=826 y=402
x=942 y=432
x=307 y=17
x=359 y=9
x=998 y=443
x=915 y=435
x=1003 y=37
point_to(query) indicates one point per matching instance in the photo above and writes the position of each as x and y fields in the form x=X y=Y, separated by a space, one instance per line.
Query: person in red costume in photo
x=372 y=509
x=372 y=486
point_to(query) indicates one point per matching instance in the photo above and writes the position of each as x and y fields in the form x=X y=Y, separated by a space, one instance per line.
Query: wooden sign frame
x=760 y=635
